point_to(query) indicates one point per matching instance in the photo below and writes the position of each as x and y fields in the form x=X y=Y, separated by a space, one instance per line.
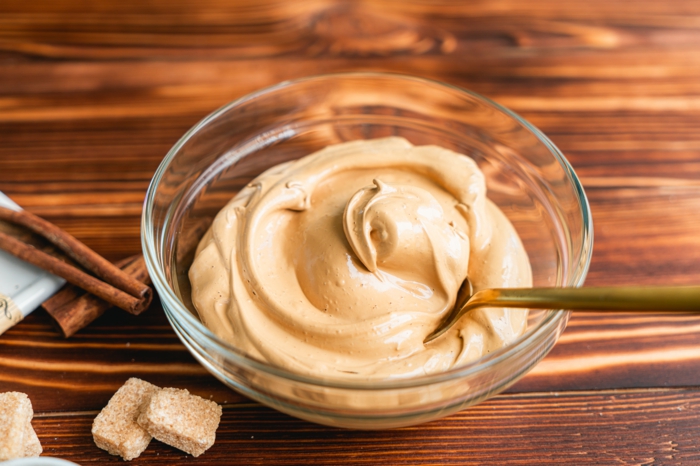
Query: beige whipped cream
x=339 y=264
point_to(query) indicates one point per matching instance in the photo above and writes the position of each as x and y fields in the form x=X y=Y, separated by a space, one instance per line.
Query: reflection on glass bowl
x=527 y=177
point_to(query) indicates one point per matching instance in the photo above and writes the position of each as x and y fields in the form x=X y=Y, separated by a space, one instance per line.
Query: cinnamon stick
x=73 y=309
x=70 y=293
x=78 y=251
x=77 y=277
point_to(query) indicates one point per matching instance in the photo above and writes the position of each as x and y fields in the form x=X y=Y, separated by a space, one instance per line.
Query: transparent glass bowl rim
x=232 y=354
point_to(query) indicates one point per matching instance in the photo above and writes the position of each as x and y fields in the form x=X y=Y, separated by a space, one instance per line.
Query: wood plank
x=269 y=28
x=629 y=427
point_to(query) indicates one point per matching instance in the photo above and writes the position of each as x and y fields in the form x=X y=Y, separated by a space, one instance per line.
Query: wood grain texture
x=627 y=427
x=93 y=95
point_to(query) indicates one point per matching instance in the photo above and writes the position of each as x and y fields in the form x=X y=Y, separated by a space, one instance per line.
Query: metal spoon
x=629 y=298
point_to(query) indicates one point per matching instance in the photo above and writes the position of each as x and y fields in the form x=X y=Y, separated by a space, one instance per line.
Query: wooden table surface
x=93 y=94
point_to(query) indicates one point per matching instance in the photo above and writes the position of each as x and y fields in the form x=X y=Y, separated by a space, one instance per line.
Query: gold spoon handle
x=629 y=298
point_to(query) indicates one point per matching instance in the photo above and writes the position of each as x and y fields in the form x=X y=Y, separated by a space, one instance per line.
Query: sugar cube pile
x=139 y=411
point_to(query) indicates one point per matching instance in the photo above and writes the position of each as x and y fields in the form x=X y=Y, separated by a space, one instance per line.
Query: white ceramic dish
x=38 y=461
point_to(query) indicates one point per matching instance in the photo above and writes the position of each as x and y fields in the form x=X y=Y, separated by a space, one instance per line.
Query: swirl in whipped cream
x=339 y=264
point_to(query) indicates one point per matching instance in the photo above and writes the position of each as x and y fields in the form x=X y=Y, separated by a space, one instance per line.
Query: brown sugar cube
x=32 y=445
x=115 y=429
x=181 y=420
x=27 y=444
x=15 y=413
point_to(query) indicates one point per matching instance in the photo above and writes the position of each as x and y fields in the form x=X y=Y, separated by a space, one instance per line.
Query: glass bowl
x=527 y=177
